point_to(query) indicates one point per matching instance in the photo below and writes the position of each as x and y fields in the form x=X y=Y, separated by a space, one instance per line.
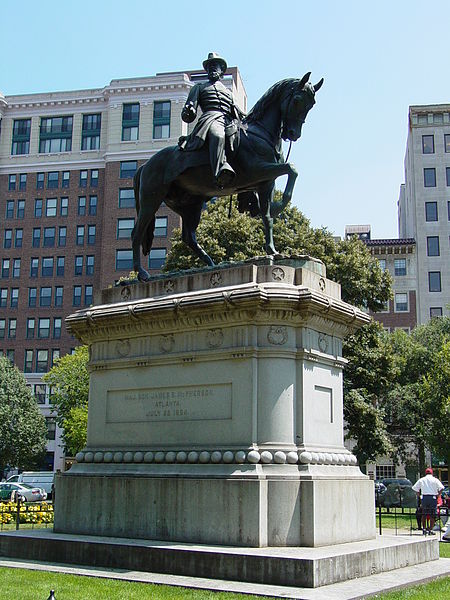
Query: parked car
x=40 y=479
x=28 y=492
x=394 y=492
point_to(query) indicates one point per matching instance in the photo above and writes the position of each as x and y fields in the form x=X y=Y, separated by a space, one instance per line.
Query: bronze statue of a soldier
x=219 y=118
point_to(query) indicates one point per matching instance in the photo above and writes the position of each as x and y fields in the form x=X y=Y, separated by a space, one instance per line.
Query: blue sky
x=376 y=58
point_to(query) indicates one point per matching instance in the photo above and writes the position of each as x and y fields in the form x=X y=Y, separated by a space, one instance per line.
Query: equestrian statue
x=226 y=153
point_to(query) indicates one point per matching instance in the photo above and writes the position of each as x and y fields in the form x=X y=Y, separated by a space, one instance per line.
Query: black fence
x=29 y=514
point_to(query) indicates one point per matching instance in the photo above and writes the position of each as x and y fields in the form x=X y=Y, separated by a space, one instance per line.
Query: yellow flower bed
x=29 y=513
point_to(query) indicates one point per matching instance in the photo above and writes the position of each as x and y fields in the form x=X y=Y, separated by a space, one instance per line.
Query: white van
x=40 y=479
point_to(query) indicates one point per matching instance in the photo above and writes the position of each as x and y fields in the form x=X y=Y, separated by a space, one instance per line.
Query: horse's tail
x=136 y=186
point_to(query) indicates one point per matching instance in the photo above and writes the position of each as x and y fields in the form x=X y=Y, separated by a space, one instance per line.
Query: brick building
x=67 y=161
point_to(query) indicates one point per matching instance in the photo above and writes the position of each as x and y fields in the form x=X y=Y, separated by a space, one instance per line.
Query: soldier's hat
x=214 y=56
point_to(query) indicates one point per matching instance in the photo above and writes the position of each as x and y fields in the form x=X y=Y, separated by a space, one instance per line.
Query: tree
x=241 y=237
x=69 y=379
x=23 y=432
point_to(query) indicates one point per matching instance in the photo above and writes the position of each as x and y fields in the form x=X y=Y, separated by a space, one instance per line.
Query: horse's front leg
x=270 y=171
x=265 y=193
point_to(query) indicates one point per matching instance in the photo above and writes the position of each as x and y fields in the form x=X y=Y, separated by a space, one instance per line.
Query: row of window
x=156 y=259
x=40 y=328
x=49 y=208
x=53 y=180
x=55 y=134
x=45 y=296
x=429 y=177
x=399 y=266
x=39 y=361
x=431 y=211
x=428 y=143
x=84 y=233
x=49 y=265
x=125 y=227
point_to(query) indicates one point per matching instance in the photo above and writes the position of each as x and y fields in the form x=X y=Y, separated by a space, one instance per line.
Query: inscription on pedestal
x=187 y=403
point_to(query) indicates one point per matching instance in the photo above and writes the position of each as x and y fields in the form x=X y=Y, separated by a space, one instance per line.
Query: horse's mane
x=272 y=94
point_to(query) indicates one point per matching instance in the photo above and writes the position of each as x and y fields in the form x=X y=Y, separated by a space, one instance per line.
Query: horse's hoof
x=271 y=250
x=143 y=275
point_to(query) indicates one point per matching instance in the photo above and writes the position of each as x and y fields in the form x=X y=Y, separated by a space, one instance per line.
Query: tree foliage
x=241 y=236
x=69 y=379
x=23 y=432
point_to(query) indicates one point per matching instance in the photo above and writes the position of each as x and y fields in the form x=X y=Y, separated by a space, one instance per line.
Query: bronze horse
x=184 y=180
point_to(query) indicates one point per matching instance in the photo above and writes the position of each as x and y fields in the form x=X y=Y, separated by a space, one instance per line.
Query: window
x=3 y=297
x=7 y=238
x=38 y=207
x=21 y=136
x=78 y=265
x=77 y=295
x=94 y=178
x=20 y=209
x=40 y=178
x=435 y=311
x=385 y=471
x=31 y=325
x=447 y=142
x=2 y=328
x=57 y=327
x=447 y=176
x=83 y=179
x=42 y=361
x=124 y=260
x=126 y=198
x=23 y=181
x=32 y=296
x=14 y=297
x=90 y=265
x=160 y=227
x=60 y=266
x=18 y=238
x=82 y=205
x=36 y=241
x=16 y=268
x=428 y=144
x=50 y=207
x=44 y=328
x=130 y=122
x=401 y=302
x=124 y=228
x=87 y=295
x=52 y=180
x=12 y=328
x=127 y=169
x=90 y=132
x=62 y=236
x=65 y=182
x=10 y=356
x=56 y=134
x=28 y=363
x=400 y=266
x=433 y=245
x=47 y=267
x=12 y=183
x=5 y=268
x=93 y=205
x=39 y=393
x=434 y=281
x=59 y=294
x=161 y=120
x=64 y=209
x=55 y=355
x=51 y=427
x=156 y=258
x=91 y=234
x=431 y=211
x=9 y=209
x=34 y=267
x=49 y=237
x=45 y=298
x=80 y=235
x=429 y=177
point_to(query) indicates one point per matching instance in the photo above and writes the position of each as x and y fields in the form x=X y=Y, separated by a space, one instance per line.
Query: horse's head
x=296 y=106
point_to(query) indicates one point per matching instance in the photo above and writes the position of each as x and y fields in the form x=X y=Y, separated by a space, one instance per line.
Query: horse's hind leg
x=142 y=233
x=191 y=218
x=265 y=193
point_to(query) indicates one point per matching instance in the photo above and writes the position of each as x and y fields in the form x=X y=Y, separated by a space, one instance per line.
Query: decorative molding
x=214 y=338
x=278 y=274
x=215 y=279
x=219 y=456
x=123 y=348
x=166 y=343
x=277 y=335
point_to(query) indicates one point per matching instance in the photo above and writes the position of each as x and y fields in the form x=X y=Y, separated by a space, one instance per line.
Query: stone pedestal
x=215 y=411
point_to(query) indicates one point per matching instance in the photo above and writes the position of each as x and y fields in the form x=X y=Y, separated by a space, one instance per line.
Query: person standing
x=429 y=487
